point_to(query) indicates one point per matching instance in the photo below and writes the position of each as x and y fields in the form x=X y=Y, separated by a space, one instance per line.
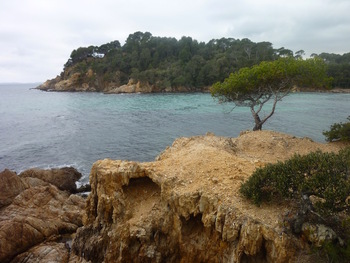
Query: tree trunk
x=257 y=127
x=257 y=120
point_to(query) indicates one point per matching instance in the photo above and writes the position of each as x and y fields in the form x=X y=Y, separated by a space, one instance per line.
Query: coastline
x=334 y=90
x=132 y=89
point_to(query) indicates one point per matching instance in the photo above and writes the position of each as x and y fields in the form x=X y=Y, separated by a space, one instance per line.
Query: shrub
x=338 y=131
x=325 y=175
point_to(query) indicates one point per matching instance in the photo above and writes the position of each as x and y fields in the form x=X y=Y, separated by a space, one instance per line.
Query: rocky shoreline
x=74 y=84
x=77 y=83
x=183 y=207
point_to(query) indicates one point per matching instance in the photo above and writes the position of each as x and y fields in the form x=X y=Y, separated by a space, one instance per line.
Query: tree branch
x=261 y=104
x=272 y=111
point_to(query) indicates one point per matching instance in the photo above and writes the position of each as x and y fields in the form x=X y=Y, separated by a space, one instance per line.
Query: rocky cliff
x=90 y=82
x=185 y=206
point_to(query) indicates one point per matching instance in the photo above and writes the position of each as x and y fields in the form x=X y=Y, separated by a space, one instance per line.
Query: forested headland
x=168 y=64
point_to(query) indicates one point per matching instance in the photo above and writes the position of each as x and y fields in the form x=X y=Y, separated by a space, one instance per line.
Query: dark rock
x=63 y=178
x=84 y=188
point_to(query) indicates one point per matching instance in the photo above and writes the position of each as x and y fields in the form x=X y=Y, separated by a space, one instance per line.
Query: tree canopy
x=338 y=68
x=254 y=86
x=166 y=61
x=169 y=62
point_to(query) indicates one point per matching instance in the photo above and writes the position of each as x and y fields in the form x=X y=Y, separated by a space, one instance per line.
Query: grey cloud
x=37 y=37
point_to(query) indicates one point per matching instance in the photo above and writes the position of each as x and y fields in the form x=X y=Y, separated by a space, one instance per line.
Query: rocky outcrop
x=63 y=178
x=89 y=82
x=72 y=83
x=34 y=211
x=186 y=207
x=138 y=216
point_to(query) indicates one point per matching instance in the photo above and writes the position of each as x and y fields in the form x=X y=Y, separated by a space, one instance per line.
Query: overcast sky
x=38 y=36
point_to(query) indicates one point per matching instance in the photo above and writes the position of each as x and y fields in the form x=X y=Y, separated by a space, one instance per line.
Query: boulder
x=10 y=186
x=63 y=178
x=35 y=211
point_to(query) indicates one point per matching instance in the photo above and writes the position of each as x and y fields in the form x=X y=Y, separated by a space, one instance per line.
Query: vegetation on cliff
x=320 y=184
x=168 y=63
x=325 y=175
x=254 y=87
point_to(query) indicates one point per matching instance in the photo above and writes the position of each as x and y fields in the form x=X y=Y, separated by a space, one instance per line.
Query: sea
x=57 y=129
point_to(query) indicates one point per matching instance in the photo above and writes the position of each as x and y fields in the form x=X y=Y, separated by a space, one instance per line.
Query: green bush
x=325 y=175
x=338 y=131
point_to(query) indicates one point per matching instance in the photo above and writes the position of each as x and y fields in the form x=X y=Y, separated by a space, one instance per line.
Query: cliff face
x=185 y=206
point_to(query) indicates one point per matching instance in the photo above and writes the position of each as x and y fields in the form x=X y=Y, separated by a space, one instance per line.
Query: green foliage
x=218 y=57
x=208 y=62
x=338 y=68
x=325 y=175
x=270 y=76
x=168 y=61
x=254 y=86
x=338 y=131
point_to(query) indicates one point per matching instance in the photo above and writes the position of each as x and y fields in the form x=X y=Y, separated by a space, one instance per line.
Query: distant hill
x=161 y=64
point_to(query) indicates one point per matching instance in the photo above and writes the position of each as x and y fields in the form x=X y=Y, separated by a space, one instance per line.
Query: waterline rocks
x=77 y=82
x=63 y=178
x=35 y=211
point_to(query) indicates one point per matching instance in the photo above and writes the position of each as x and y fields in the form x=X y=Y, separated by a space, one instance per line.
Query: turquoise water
x=46 y=129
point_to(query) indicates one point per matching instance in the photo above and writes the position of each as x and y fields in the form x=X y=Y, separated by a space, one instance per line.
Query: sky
x=38 y=36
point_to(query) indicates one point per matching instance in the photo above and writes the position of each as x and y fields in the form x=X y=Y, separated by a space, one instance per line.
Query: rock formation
x=76 y=82
x=64 y=178
x=185 y=206
x=36 y=218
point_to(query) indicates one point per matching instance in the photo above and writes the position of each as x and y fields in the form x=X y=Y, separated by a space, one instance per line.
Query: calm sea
x=50 y=129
